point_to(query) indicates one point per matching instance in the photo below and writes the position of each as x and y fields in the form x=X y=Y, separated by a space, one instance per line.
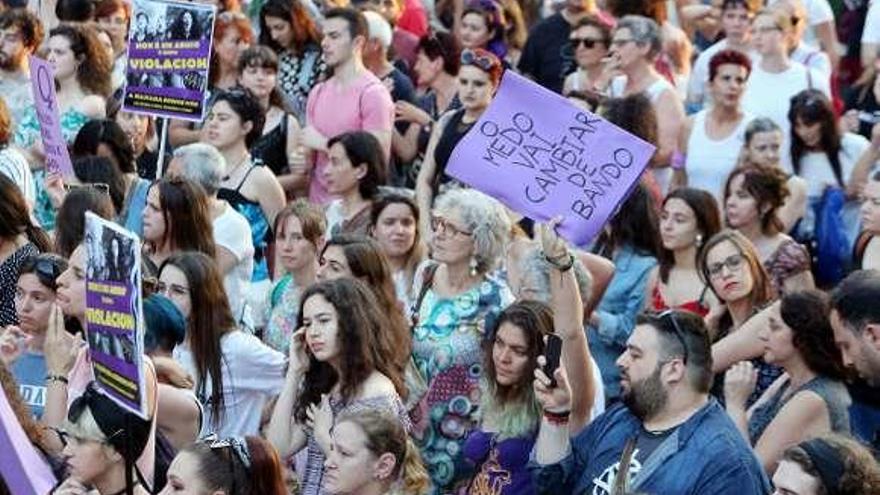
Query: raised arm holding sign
x=544 y=157
x=46 y=103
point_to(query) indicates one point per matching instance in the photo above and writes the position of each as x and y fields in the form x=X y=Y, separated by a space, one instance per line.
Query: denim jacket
x=706 y=454
x=617 y=311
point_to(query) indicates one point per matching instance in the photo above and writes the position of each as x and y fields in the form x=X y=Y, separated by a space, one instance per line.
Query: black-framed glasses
x=679 y=333
x=733 y=263
x=471 y=57
x=440 y=224
x=587 y=43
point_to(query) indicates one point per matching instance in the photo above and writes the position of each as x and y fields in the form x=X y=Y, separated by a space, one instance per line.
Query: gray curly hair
x=485 y=217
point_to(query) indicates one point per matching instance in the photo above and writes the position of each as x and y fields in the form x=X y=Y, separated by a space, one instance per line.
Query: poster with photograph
x=169 y=54
x=115 y=329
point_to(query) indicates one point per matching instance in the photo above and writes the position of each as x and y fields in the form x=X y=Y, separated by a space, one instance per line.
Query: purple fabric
x=501 y=467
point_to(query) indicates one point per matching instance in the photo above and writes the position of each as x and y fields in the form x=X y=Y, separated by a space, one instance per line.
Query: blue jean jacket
x=706 y=454
x=617 y=311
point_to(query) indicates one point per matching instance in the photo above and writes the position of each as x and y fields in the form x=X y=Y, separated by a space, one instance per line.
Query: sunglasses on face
x=733 y=263
x=470 y=57
x=587 y=43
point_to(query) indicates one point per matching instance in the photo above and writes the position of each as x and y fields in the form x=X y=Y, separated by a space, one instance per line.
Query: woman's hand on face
x=60 y=348
x=319 y=417
x=71 y=486
x=849 y=122
x=55 y=189
x=739 y=383
x=298 y=358
x=553 y=399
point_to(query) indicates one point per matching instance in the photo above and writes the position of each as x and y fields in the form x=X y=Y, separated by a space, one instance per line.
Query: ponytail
x=37 y=237
x=413 y=475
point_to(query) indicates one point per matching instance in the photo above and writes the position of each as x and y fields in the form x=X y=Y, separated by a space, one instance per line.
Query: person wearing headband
x=828 y=465
x=102 y=443
x=229 y=466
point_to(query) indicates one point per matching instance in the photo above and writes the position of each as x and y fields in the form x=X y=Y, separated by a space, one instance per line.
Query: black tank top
x=453 y=132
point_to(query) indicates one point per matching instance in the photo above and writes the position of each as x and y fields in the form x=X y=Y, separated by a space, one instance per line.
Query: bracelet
x=559 y=264
x=557 y=418
x=57 y=378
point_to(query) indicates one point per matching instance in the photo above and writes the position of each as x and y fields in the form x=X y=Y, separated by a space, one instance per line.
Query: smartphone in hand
x=552 y=352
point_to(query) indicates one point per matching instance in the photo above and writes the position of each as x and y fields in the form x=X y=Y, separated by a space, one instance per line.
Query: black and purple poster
x=169 y=54
x=115 y=329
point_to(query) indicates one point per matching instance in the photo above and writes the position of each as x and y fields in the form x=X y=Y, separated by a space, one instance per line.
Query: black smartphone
x=552 y=352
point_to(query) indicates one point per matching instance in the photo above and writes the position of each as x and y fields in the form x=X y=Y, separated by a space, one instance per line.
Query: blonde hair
x=384 y=433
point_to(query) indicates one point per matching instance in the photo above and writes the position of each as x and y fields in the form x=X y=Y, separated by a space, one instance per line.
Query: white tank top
x=709 y=162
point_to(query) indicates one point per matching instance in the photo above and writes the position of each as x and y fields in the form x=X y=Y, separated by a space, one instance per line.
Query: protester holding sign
x=478 y=79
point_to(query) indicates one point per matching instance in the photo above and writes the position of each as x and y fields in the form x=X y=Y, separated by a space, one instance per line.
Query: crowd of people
x=327 y=311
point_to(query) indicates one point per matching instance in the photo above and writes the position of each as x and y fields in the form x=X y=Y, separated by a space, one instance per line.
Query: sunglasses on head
x=47 y=268
x=679 y=333
x=470 y=57
x=101 y=187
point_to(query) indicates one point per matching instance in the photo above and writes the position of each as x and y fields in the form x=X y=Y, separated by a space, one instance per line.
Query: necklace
x=226 y=177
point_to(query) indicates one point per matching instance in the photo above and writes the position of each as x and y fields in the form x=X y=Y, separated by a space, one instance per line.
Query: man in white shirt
x=21 y=34
x=204 y=164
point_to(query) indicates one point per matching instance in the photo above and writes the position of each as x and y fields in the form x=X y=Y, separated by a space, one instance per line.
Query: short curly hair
x=769 y=187
x=486 y=218
x=729 y=57
x=861 y=473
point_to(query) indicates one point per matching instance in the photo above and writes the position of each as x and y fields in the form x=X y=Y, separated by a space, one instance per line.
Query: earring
x=699 y=240
x=473 y=266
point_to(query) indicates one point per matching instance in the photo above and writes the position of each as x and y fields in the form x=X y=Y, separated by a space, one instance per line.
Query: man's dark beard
x=7 y=63
x=646 y=397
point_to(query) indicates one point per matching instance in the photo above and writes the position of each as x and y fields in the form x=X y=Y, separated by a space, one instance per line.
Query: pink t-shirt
x=362 y=105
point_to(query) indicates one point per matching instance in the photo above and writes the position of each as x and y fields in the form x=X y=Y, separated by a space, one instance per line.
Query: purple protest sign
x=115 y=330
x=169 y=54
x=46 y=105
x=543 y=157
x=24 y=471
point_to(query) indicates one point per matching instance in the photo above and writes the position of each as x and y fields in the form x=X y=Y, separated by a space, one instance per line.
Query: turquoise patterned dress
x=447 y=352
x=26 y=134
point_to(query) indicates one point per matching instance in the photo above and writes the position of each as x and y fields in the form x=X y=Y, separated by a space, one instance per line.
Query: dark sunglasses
x=97 y=186
x=470 y=57
x=587 y=43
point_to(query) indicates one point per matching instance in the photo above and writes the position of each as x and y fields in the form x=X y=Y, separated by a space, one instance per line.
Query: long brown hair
x=367 y=263
x=360 y=319
x=93 y=72
x=187 y=219
x=768 y=186
x=210 y=319
x=220 y=467
x=708 y=218
x=15 y=218
x=418 y=252
x=305 y=32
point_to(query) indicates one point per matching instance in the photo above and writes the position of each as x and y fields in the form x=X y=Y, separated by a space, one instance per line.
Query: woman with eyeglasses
x=82 y=76
x=230 y=466
x=636 y=43
x=478 y=79
x=866 y=252
x=235 y=374
x=688 y=218
x=19 y=239
x=176 y=219
x=336 y=367
x=775 y=78
x=827 y=158
x=394 y=224
x=762 y=147
x=347 y=256
x=288 y=29
x=752 y=198
x=299 y=238
x=732 y=268
x=810 y=399
x=438 y=59
x=456 y=301
x=373 y=454
x=590 y=39
x=278 y=147
x=103 y=441
x=22 y=344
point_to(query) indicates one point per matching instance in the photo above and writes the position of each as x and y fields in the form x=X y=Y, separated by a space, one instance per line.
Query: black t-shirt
x=548 y=56
x=646 y=443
